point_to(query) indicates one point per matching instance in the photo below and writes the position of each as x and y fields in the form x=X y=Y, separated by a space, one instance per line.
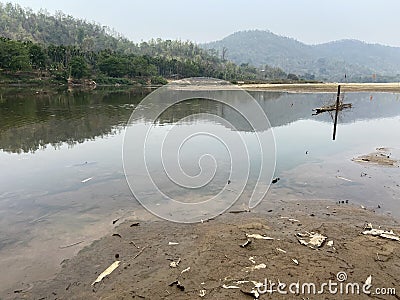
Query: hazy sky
x=309 y=21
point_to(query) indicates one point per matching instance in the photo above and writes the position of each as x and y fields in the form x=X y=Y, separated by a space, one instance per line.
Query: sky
x=309 y=21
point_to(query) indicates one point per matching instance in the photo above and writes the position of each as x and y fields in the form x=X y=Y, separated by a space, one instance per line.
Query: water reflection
x=43 y=200
x=95 y=120
x=31 y=121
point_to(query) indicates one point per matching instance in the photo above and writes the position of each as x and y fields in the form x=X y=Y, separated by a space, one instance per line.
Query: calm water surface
x=62 y=180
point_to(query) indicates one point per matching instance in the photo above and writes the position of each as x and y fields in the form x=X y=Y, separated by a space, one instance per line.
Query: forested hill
x=330 y=61
x=23 y=24
x=61 y=47
x=19 y=23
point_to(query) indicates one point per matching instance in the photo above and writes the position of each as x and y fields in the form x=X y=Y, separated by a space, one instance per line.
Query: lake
x=63 y=182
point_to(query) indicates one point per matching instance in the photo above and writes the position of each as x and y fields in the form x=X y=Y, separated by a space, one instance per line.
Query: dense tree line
x=72 y=61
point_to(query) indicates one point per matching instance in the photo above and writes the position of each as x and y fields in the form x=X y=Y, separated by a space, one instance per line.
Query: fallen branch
x=71 y=245
x=140 y=252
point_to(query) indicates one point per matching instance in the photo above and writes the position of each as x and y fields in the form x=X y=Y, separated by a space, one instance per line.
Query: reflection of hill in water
x=285 y=108
x=29 y=122
x=282 y=112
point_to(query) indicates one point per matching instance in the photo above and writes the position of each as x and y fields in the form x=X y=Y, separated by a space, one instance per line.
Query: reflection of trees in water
x=192 y=107
x=29 y=122
x=32 y=120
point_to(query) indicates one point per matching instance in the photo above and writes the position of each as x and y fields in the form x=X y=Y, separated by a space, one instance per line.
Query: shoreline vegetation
x=28 y=63
x=40 y=79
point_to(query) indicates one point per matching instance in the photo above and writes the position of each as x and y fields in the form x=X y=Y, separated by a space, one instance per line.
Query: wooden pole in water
x=337 y=111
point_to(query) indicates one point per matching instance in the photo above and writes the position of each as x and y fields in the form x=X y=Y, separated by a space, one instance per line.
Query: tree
x=80 y=36
x=78 y=67
x=114 y=66
x=37 y=56
x=293 y=77
x=224 y=51
x=14 y=55
x=274 y=73
x=142 y=66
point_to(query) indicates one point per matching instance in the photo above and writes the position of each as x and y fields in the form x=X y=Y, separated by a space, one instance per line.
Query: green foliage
x=59 y=75
x=62 y=46
x=37 y=56
x=114 y=66
x=23 y=24
x=142 y=66
x=292 y=77
x=78 y=67
x=64 y=61
x=14 y=56
x=157 y=80
x=274 y=73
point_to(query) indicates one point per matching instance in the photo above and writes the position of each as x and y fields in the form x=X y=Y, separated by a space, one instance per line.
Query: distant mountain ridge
x=329 y=61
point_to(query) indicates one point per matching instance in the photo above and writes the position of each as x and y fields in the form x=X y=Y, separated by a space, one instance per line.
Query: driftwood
x=70 y=245
x=107 y=271
x=331 y=107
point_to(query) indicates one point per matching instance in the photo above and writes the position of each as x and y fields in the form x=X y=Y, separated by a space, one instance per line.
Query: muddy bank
x=217 y=254
x=381 y=157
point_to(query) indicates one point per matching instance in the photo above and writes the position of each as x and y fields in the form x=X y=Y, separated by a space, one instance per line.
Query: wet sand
x=328 y=87
x=213 y=253
x=381 y=157
x=325 y=87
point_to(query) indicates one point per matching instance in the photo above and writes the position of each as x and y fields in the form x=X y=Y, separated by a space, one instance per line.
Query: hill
x=329 y=61
x=60 y=47
x=17 y=23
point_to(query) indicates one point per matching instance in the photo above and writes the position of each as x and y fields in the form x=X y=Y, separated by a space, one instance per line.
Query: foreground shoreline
x=210 y=255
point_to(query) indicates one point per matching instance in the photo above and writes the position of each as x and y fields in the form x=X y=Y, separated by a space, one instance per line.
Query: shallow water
x=62 y=177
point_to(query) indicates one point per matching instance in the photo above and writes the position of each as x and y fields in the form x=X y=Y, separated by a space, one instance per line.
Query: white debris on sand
x=369 y=230
x=314 y=240
x=259 y=236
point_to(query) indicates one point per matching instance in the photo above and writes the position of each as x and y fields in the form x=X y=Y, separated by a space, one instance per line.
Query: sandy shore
x=326 y=87
x=211 y=85
x=211 y=258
